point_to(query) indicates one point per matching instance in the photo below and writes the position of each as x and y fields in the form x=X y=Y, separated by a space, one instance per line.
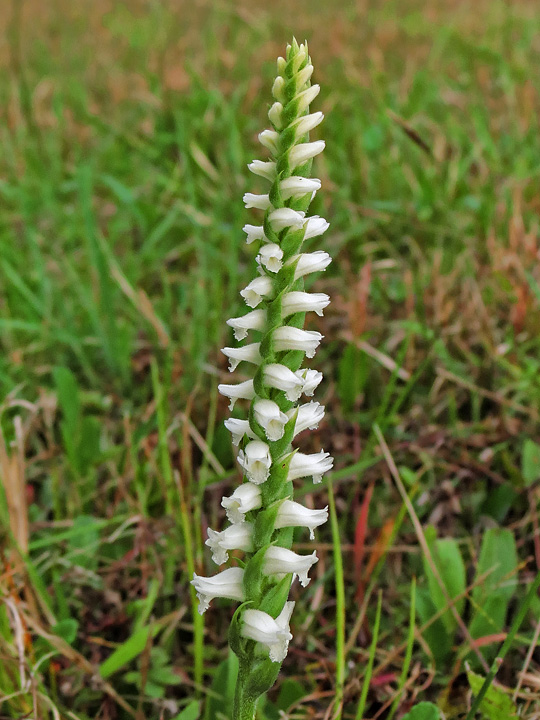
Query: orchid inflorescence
x=261 y=511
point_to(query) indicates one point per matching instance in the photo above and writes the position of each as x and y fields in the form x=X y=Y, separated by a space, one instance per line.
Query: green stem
x=244 y=707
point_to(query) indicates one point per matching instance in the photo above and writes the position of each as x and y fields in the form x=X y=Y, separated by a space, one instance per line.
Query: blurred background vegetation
x=125 y=132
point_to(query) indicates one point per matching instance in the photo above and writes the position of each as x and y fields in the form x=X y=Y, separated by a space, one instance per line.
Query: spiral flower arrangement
x=261 y=511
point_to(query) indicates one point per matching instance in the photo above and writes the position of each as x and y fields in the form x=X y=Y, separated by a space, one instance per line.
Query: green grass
x=125 y=134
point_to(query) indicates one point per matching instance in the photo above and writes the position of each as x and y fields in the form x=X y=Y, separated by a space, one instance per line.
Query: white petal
x=248 y=353
x=239 y=428
x=261 y=202
x=274 y=115
x=298 y=301
x=306 y=97
x=245 y=498
x=291 y=338
x=282 y=378
x=256 y=290
x=310 y=263
x=242 y=391
x=296 y=186
x=281 y=561
x=303 y=76
x=309 y=416
x=270 y=140
x=253 y=232
x=255 y=320
x=286 y=217
x=311 y=380
x=307 y=123
x=315 y=226
x=266 y=170
x=292 y=514
x=275 y=634
x=270 y=418
x=278 y=89
x=227 y=584
x=256 y=461
x=299 y=154
x=270 y=256
x=305 y=465
x=235 y=537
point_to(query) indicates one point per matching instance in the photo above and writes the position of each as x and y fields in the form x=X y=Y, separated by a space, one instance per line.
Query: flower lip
x=234 y=537
x=281 y=561
x=226 y=584
x=256 y=461
x=270 y=418
x=245 y=498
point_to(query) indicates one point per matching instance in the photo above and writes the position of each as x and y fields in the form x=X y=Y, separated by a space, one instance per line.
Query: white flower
x=247 y=353
x=270 y=256
x=275 y=634
x=292 y=514
x=299 y=154
x=235 y=537
x=241 y=391
x=309 y=416
x=270 y=417
x=280 y=561
x=226 y=584
x=256 y=461
x=286 y=217
x=307 y=123
x=245 y=498
x=306 y=97
x=305 y=465
x=254 y=320
x=311 y=380
x=297 y=186
x=304 y=75
x=278 y=89
x=274 y=115
x=310 y=263
x=270 y=140
x=261 y=202
x=314 y=227
x=280 y=377
x=238 y=428
x=266 y=169
x=291 y=338
x=256 y=290
x=253 y=232
x=298 y=301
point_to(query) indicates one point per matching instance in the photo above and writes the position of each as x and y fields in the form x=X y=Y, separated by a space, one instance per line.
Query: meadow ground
x=125 y=132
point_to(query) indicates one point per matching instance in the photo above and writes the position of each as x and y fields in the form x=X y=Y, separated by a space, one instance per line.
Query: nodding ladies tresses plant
x=261 y=511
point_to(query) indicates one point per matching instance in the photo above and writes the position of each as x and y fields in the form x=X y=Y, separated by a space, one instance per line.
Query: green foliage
x=530 y=462
x=221 y=696
x=496 y=703
x=423 y=711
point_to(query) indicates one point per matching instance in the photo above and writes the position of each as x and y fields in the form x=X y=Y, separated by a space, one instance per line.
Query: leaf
x=68 y=397
x=127 y=651
x=491 y=595
x=530 y=462
x=84 y=540
x=66 y=629
x=289 y=693
x=191 y=712
x=220 y=700
x=496 y=705
x=353 y=371
x=423 y=711
x=451 y=568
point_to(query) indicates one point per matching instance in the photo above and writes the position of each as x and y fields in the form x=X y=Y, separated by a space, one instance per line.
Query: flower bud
x=266 y=169
x=306 y=97
x=256 y=461
x=270 y=418
x=300 y=154
x=315 y=226
x=226 y=584
x=292 y=514
x=274 y=115
x=280 y=561
x=245 y=498
x=303 y=76
x=270 y=140
x=291 y=338
x=235 y=537
x=286 y=217
x=307 y=123
x=275 y=634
